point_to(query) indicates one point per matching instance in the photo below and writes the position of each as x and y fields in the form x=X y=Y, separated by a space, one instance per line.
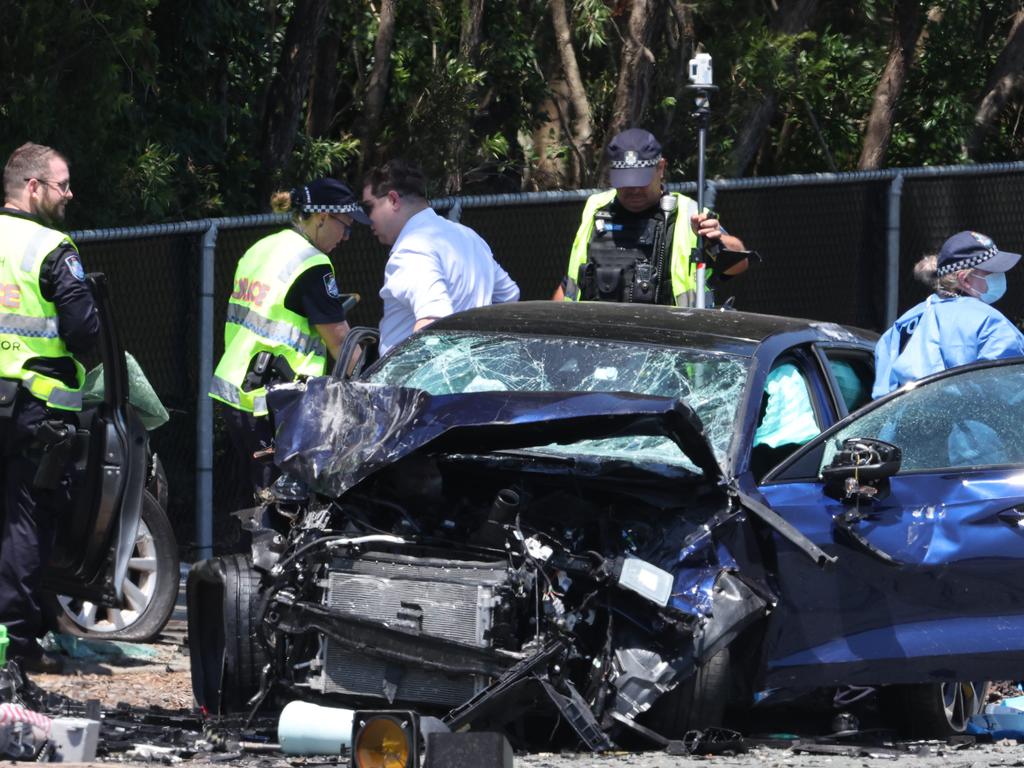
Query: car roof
x=724 y=331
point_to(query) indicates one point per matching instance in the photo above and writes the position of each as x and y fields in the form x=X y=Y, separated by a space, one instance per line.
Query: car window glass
x=855 y=377
x=710 y=383
x=972 y=419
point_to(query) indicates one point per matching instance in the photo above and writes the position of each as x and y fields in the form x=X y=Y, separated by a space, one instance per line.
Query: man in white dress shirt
x=436 y=267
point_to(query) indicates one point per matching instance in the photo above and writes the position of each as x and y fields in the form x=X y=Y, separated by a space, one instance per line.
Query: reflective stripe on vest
x=28 y=322
x=34 y=327
x=276 y=330
x=257 y=319
x=229 y=394
x=682 y=271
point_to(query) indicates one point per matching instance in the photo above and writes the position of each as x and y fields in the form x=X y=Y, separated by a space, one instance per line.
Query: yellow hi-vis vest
x=683 y=272
x=28 y=322
x=258 y=320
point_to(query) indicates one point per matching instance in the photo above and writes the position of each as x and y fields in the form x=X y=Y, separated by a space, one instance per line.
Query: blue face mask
x=996 y=283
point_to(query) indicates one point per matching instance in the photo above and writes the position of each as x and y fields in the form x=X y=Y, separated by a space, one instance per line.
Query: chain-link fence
x=828 y=243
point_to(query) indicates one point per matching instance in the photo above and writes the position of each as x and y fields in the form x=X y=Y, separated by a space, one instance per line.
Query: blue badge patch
x=75 y=267
x=331 y=285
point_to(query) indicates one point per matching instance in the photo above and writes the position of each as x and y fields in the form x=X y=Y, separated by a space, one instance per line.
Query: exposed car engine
x=427 y=584
x=435 y=553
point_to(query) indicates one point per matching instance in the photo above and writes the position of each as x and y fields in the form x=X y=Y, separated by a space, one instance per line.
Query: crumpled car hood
x=333 y=434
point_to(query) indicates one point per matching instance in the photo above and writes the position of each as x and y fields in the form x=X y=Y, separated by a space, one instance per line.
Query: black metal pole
x=702 y=114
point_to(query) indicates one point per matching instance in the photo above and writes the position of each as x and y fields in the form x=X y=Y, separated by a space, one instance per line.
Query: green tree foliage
x=161 y=106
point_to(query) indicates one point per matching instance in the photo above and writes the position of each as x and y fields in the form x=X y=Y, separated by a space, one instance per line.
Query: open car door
x=920 y=498
x=96 y=537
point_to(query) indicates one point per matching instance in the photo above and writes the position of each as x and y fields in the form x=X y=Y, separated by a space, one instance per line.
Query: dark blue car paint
x=950 y=608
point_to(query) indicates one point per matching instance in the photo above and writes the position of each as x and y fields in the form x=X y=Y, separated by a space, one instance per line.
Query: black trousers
x=249 y=434
x=29 y=522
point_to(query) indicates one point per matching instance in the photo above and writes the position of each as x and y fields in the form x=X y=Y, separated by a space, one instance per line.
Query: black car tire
x=153 y=587
x=698 y=702
x=226 y=654
x=922 y=711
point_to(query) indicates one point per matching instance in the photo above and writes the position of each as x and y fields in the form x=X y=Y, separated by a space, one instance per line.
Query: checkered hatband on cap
x=347 y=208
x=968 y=262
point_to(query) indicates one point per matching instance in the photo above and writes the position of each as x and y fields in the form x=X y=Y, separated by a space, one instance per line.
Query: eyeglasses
x=368 y=205
x=347 y=227
x=62 y=186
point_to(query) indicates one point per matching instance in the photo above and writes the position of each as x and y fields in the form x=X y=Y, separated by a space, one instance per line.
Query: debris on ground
x=140 y=696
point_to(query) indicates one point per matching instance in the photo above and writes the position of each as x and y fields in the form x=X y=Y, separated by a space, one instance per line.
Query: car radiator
x=449 y=599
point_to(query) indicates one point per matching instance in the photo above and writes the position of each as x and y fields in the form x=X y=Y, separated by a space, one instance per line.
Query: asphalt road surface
x=977 y=756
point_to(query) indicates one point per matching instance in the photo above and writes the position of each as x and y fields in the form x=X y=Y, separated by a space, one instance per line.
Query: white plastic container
x=309 y=729
x=74 y=739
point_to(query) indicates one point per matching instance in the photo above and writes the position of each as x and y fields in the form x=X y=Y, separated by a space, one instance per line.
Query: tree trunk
x=793 y=17
x=267 y=77
x=579 y=126
x=323 y=86
x=377 y=88
x=469 y=45
x=1006 y=77
x=906 y=27
x=635 y=65
x=472 y=28
x=288 y=91
x=680 y=38
x=550 y=170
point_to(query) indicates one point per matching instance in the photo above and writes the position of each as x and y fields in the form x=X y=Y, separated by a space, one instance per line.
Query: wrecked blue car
x=626 y=522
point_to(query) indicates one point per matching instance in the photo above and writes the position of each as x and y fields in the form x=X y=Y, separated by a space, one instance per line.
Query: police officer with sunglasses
x=47 y=318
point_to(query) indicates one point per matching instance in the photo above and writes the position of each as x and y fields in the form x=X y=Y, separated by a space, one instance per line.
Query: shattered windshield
x=450 y=363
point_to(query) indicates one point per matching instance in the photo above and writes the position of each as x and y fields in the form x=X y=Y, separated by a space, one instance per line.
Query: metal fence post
x=204 y=406
x=892 y=251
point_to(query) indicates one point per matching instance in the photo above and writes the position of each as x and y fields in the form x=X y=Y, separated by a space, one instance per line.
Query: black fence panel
x=823 y=251
x=935 y=208
x=531 y=242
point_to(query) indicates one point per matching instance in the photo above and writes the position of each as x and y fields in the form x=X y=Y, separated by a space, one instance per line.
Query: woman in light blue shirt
x=956 y=325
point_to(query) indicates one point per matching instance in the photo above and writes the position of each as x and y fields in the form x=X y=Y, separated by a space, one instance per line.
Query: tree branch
x=906 y=28
x=582 y=134
x=793 y=17
x=1004 y=79
x=377 y=88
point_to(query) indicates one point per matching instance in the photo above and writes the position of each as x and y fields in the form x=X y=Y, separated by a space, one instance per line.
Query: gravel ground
x=162 y=679
x=1009 y=754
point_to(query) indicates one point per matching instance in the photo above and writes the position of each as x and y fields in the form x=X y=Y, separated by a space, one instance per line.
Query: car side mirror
x=860 y=470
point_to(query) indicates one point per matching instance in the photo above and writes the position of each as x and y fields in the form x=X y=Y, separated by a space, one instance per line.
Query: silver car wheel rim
x=138 y=588
x=962 y=701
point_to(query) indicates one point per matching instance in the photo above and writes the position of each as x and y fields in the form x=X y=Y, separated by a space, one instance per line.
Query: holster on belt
x=8 y=395
x=266 y=369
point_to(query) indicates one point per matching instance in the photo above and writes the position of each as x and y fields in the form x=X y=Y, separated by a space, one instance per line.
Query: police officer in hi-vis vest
x=285 y=313
x=629 y=247
x=47 y=316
